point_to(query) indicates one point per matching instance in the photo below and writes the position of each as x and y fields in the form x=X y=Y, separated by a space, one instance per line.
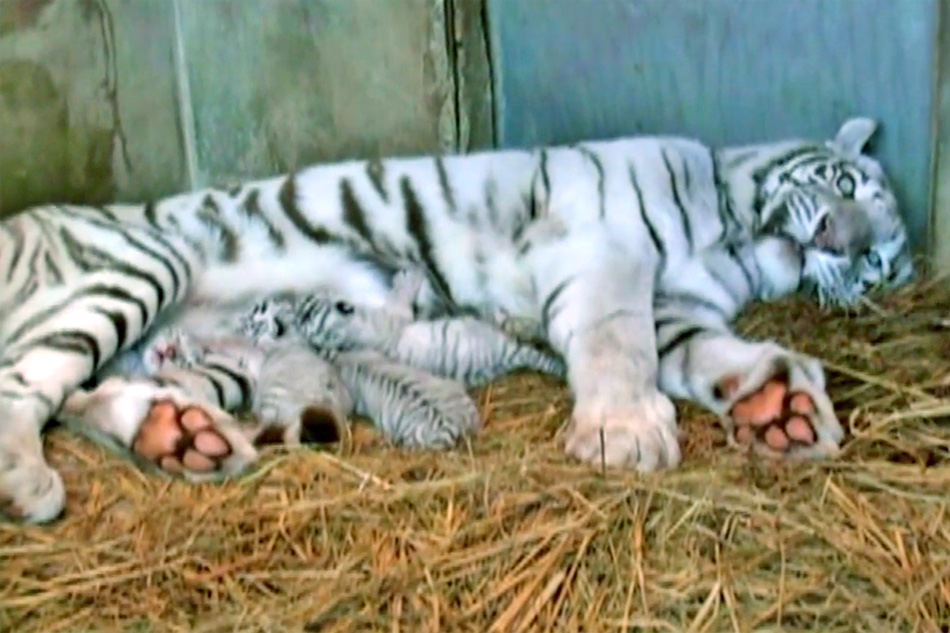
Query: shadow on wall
x=47 y=151
x=52 y=156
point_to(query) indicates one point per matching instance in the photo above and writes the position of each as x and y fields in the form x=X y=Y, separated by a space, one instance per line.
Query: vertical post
x=469 y=53
x=186 y=113
x=939 y=233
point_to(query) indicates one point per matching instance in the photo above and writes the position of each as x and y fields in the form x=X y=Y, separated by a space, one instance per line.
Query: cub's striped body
x=461 y=348
x=83 y=284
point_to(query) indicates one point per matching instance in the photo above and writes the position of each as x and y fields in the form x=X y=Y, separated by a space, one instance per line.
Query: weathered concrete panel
x=726 y=71
x=470 y=55
x=88 y=109
x=277 y=84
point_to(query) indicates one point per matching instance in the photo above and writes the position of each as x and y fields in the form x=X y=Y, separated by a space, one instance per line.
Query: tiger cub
x=295 y=394
x=462 y=348
x=304 y=395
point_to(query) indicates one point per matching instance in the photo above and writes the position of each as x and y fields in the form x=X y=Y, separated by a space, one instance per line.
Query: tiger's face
x=836 y=204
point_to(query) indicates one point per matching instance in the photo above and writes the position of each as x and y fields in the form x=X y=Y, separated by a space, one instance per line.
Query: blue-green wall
x=726 y=71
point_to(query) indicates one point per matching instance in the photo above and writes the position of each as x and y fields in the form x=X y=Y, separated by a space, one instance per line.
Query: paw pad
x=774 y=418
x=180 y=439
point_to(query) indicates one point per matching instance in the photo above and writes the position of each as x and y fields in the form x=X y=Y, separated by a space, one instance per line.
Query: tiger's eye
x=845 y=185
x=344 y=308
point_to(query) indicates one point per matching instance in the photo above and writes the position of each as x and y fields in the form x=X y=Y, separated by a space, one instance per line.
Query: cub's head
x=835 y=203
x=333 y=324
x=267 y=320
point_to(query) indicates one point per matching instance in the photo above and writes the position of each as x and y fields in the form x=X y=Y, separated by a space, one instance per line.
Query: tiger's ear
x=854 y=135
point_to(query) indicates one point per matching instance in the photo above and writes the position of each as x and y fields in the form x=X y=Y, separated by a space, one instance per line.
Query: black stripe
x=727 y=214
x=654 y=235
x=53 y=275
x=288 y=202
x=548 y=305
x=353 y=213
x=600 y=177
x=99 y=290
x=418 y=228
x=241 y=380
x=119 y=324
x=210 y=215
x=687 y=230
x=734 y=254
x=686 y=335
x=213 y=381
x=760 y=175
x=90 y=258
x=445 y=186
x=376 y=173
x=19 y=241
x=106 y=212
x=151 y=214
x=124 y=234
x=545 y=178
x=77 y=341
x=687 y=177
x=252 y=209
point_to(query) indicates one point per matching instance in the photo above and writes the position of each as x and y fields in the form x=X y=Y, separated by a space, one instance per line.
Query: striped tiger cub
x=462 y=348
x=298 y=390
x=83 y=285
x=296 y=393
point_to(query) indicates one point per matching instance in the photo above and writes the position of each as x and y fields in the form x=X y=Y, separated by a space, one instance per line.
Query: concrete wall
x=122 y=99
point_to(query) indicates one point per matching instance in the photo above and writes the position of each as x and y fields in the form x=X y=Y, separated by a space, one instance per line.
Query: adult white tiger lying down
x=83 y=283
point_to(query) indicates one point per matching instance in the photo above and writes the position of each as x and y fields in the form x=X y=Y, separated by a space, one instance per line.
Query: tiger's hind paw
x=161 y=426
x=781 y=410
x=187 y=440
x=30 y=491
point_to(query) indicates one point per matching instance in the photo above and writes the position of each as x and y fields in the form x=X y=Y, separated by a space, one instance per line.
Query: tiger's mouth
x=831 y=280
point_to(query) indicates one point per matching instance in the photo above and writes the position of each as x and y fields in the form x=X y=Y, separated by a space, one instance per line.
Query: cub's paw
x=316 y=424
x=30 y=491
x=191 y=440
x=780 y=408
x=642 y=435
x=171 y=347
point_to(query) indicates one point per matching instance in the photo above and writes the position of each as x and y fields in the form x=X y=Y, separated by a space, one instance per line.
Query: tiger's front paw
x=30 y=491
x=641 y=435
x=780 y=408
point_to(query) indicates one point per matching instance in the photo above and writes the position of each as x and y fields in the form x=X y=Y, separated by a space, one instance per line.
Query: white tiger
x=82 y=284
x=462 y=348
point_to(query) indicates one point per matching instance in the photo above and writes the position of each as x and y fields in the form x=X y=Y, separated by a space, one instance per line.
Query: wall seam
x=185 y=107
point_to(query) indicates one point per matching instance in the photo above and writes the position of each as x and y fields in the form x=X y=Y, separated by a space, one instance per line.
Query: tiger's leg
x=597 y=312
x=176 y=420
x=768 y=398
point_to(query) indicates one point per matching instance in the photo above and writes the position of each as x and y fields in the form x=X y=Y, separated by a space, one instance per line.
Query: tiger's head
x=834 y=202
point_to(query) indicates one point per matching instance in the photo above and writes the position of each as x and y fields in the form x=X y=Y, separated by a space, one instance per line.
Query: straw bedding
x=507 y=535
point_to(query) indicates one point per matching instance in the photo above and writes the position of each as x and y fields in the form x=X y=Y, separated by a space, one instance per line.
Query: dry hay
x=506 y=535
